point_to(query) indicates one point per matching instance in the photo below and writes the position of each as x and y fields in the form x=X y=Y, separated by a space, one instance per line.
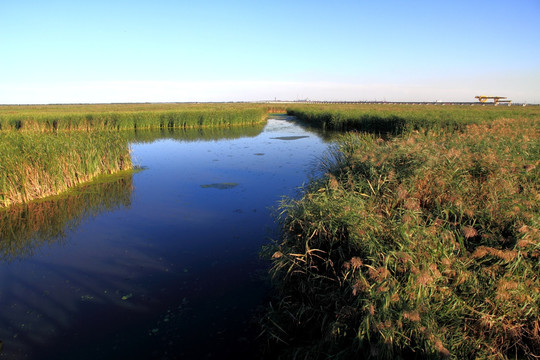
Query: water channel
x=160 y=264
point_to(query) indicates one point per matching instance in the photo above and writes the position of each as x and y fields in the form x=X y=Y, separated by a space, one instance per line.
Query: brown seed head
x=402 y=193
x=361 y=285
x=441 y=349
x=333 y=183
x=435 y=270
x=469 y=232
x=407 y=219
x=446 y=262
x=480 y=252
x=412 y=316
x=378 y=274
x=524 y=243
x=506 y=255
x=424 y=278
x=412 y=204
x=356 y=262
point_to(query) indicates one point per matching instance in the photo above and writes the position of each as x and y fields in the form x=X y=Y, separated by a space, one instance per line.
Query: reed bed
x=34 y=165
x=127 y=116
x=399 y=118
x=426 y=245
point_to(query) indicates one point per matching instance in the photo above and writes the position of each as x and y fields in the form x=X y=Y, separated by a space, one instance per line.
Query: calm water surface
x=160 y=264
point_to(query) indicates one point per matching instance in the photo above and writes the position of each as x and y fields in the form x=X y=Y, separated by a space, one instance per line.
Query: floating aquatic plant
x=220 y=186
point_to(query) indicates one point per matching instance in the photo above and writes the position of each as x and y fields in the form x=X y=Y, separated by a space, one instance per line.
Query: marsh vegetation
x=423 y=245
x=421 y=239
x=128 y=116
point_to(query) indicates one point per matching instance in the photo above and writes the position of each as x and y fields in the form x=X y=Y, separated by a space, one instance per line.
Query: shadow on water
x=324 y=133
x=160 y=264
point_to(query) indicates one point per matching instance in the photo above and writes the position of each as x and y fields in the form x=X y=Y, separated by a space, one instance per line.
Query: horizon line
x=275 y=101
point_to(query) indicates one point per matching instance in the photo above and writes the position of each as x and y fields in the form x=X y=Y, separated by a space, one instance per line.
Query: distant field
x=127 y=116
x=398 y=118
x=128 y=107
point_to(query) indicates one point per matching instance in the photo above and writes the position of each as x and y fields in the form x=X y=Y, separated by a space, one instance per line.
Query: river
x=159 y=264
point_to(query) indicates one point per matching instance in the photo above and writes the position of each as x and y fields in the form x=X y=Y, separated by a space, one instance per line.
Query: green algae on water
x=289 y=137
x=220 y=186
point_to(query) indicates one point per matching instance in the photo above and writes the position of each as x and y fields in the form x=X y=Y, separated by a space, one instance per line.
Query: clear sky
x=59 y=51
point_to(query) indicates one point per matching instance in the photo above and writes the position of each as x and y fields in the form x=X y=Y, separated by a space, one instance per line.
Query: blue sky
x=138 y=51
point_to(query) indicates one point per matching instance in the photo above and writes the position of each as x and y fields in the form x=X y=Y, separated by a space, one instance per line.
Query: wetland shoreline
x=423 y=245
x=162 y=263
x=424 y=242
x=45 y=150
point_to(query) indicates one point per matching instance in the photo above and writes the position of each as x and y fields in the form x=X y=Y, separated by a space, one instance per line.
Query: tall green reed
x=94 y=117
x=396 y=119
x=34 y=165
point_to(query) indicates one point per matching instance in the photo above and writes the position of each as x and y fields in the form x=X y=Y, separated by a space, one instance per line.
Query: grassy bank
x=399 y=118
x=128 y=116
x=426 y=245
x=35 y=165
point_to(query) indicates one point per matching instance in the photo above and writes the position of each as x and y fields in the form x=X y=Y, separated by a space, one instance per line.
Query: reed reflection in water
x=27 y=227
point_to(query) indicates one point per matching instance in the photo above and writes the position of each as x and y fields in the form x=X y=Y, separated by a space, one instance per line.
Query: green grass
x=128 y=116
x=35 y=165
x=424 y=245
x=396 y=119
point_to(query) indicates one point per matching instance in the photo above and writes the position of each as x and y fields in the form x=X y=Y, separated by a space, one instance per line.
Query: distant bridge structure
x=482 y=102
x=496 y=99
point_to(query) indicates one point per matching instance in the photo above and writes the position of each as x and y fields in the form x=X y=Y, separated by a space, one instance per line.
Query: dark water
x=160 y=264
